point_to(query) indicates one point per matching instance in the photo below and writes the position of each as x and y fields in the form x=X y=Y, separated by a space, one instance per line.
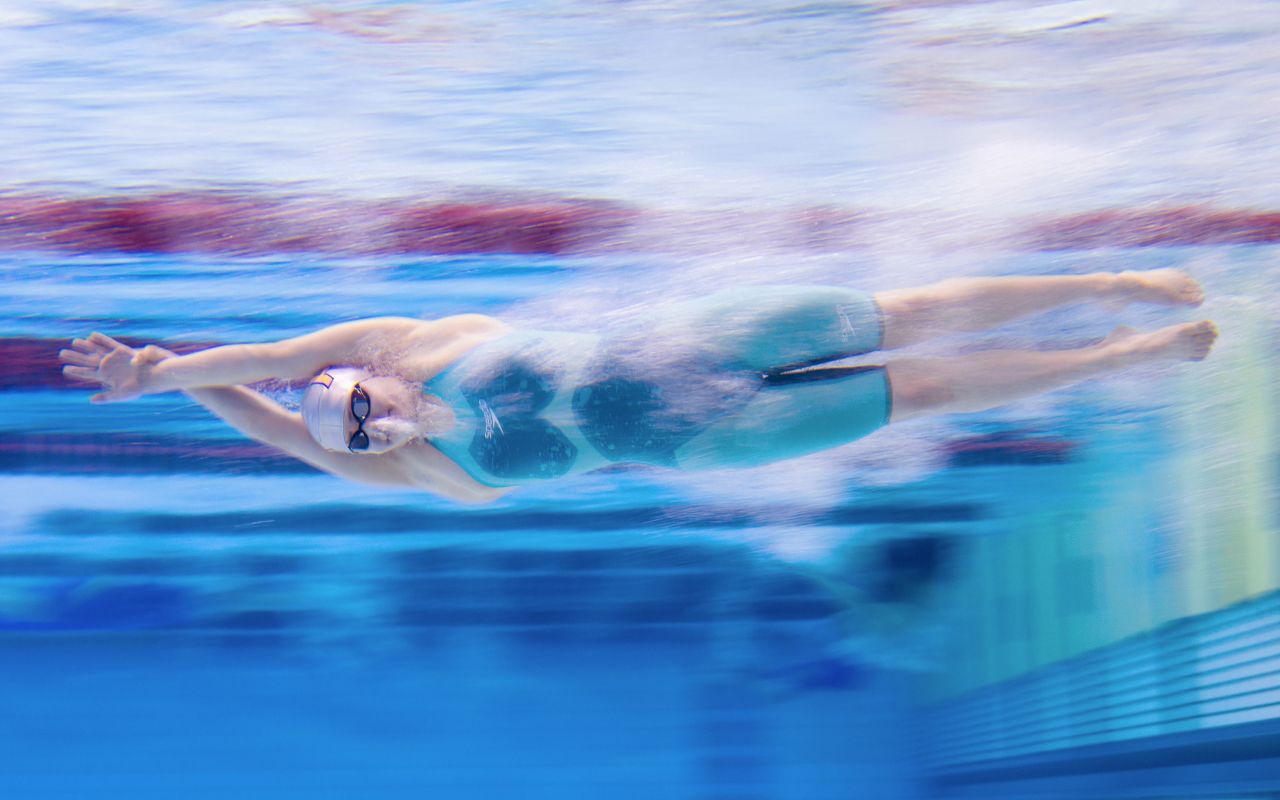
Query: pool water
x=185 y=612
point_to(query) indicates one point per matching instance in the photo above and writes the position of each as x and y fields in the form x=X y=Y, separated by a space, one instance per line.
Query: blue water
x=177 y=620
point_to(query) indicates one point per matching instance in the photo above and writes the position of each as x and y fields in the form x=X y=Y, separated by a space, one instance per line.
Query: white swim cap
x=325 y=404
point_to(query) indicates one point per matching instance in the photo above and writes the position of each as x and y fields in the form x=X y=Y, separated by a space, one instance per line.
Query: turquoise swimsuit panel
x=512 y=400
x=735 y=379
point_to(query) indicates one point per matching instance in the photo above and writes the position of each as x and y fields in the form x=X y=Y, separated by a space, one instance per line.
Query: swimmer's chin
x=392 y=433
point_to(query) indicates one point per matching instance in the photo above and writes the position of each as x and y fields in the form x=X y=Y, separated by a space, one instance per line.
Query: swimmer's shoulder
x=465 y=325
x=436 y=344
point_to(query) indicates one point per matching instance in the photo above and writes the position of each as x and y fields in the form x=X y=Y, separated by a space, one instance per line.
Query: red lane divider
x=976 y=451
x=224 y=223
x=31 y=364
x=1166 y=227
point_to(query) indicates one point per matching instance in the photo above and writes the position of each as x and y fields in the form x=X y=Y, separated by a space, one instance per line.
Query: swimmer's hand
x=119 y=369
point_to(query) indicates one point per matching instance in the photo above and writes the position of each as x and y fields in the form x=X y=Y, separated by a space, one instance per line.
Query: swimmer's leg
x=793 y=415
x=774 y=328
x=974 y=304
x=984 y=380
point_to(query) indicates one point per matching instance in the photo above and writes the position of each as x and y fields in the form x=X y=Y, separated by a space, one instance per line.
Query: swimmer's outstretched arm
x=124 y=376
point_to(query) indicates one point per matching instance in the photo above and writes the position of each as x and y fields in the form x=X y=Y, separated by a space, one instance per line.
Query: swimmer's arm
x=266 y=421
x=472 y=495
x=298 y=358
x=399 y=342
x=355 y=343
x=433 y=471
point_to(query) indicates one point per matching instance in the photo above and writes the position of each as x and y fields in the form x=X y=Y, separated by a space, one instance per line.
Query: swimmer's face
x=392 y=415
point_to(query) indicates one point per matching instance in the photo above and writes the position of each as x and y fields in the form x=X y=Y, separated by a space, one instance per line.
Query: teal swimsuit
x=733 y=380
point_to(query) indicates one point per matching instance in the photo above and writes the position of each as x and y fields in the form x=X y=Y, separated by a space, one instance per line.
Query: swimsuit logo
x=490 y=420
x=847 y=329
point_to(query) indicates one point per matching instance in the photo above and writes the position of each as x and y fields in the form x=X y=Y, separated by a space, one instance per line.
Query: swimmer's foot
x=1170 y=287
x=1190 y=341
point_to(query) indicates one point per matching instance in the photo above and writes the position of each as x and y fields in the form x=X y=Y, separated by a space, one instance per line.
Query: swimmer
x=468 y=407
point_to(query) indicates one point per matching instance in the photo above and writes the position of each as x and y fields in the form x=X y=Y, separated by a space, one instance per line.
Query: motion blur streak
x=230 y=224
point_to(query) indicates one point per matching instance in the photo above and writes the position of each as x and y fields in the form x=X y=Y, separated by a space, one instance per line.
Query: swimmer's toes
x=1192 y=293
x=1167 y=286
x=1210 y=332
x=1185 y=289
x=1202 y=336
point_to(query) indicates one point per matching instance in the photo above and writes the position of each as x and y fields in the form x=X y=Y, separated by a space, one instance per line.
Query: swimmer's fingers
x=87 y=374
x=115 y=367
x=103 y=340
x=96 y=344
x=86 y=346
x=79 y=359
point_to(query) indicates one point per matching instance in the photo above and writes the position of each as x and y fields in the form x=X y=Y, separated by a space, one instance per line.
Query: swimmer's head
x=326 y=406
x=397 y=412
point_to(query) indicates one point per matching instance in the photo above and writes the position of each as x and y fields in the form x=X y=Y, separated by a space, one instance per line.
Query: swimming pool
x=183 y=611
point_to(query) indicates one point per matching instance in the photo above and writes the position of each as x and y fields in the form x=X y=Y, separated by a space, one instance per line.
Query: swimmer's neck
x=435 y=417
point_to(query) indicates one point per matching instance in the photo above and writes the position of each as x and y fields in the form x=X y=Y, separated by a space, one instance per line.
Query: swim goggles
x=360 y=407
